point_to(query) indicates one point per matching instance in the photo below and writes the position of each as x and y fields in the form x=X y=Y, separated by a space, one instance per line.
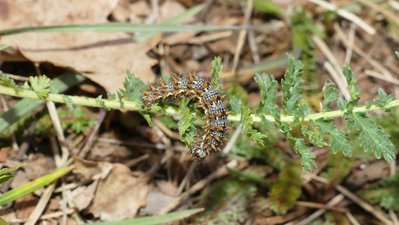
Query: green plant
x=301 y=127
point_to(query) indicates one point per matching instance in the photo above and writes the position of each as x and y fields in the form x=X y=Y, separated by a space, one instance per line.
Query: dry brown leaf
x=157 y=201
x=92 y=170
x=81 y=197
x=120 y=194
x=373 y=171
x=102 y=57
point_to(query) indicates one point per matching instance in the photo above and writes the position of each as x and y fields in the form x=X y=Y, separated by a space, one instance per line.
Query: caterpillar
x=195 y=88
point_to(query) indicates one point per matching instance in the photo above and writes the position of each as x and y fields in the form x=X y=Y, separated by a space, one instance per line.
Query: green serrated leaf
x=6 y=173
x=40 y=85
x=342 y=103
x=331 y=95
x=247 y=125
x=236 y=105
x=101 y=102
x=268 y=87
x=383 y=98
x=314 y=137
x=291 y=85
x=307 y=156
x=372 y=138
x=7 y=81
x=133 y=88
x=353 y=89
x=397 y=54
x=68 y=102
x=186 y=125
x=339 y=140
x=216 y=68
x=287 y=189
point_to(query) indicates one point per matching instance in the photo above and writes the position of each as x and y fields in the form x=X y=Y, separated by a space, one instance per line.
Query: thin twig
x=339 y=78
x=41 y=205
x=374 y=211
x=347 y=15
x=388 y=14
x=320 y=212
x=351 y=218
x=349 y=49
x=241 y=36
x=58 y=130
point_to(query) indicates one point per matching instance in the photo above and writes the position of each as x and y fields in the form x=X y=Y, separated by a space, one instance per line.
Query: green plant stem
x=135 y=106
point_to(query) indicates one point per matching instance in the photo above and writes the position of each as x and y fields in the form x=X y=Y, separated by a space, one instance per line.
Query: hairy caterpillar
x=195 y=88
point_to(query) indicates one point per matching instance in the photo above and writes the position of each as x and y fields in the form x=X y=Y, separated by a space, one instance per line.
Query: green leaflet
x=216 y=68
x=40 y=85
x=339 y=141
x=101 y=102
x=353 y=89
x=7 y=81
x=186 y=125
x=247 y=127
x=372 y=138
x=307 y=156
x=291 y=85
x=383 y=98
x=247 y=121
x=268 y=92
x=236 y=105
x=6 y=173
x=331 y=95
x=68 y=102
x=133 y=88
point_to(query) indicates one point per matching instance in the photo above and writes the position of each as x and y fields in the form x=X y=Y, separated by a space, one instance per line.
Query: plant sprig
x=315 y=128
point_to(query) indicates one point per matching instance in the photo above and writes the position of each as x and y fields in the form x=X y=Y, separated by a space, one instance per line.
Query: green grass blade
x=32 y=186
x=152 y=220
x=129 y=27
x=25 y=107
x=3 y=222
